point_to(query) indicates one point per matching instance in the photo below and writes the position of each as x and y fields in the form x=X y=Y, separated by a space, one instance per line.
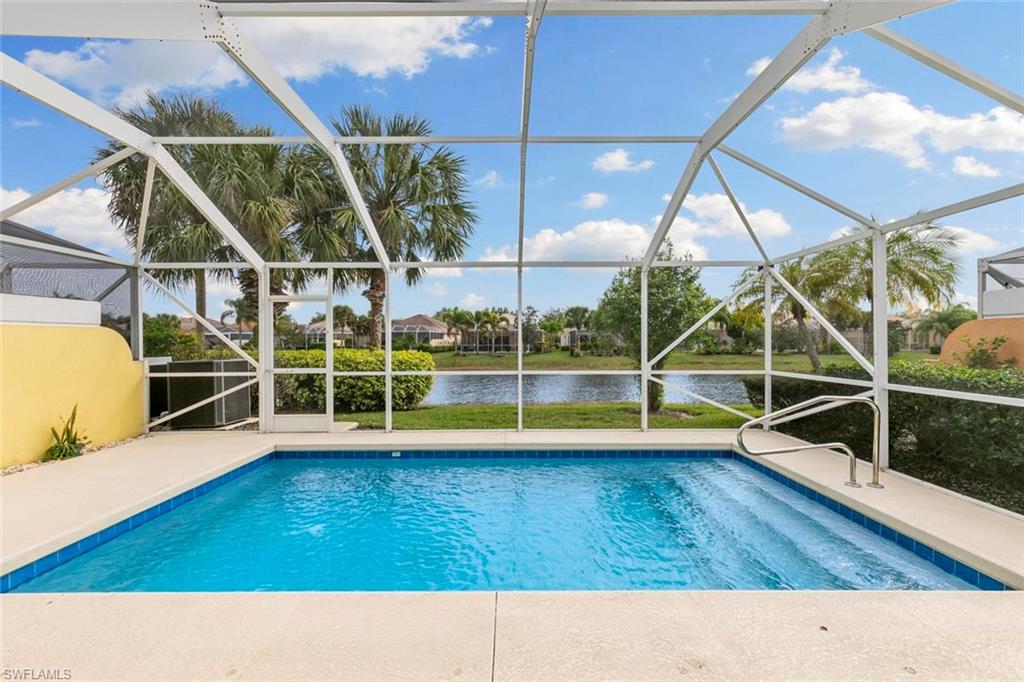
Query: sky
x=861 y=123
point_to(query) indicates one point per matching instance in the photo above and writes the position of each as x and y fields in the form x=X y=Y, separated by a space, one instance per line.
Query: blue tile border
x=25 y=573
x=13 y=579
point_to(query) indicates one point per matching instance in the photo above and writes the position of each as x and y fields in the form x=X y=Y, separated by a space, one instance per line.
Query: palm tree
x=176 y=231
x=457 y=320
x=944 y=322
x=415 y=193
x=552 y=328
x=266 y=191
x=577 y=317
x=479 y=322
x=921 y=265
x=239 y=309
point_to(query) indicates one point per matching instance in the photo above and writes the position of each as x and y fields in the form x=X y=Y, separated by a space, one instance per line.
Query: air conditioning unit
x=185 y=391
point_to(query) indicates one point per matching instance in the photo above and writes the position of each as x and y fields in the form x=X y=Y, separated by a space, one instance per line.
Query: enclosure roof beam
x=65 y=183
x=254 y=63
x=840 y=18
x=739 y=209
x=935 y=60
x=532 y=27
x=958 y=207
x=495 y=8
x=803 y=189
x=16 y=75
x=437 y=139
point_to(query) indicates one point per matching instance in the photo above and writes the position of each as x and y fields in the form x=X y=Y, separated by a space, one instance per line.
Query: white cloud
x=618 y=161
x=974 y=242
x=301 y=48
x=592 y=200
x=716 y=217
x=437 y=289
x=888 y=122
x=78 y=215
x=829 y=76
x=970 y=166
x=472 y=301
x=490 y=180
x=612 y=239
x=120 y=73
x=25 y=122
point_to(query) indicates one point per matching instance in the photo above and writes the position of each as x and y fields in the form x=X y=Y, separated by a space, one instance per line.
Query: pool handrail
x=768 y=418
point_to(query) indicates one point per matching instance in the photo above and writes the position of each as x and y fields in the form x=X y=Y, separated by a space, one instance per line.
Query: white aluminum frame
x=213 y=22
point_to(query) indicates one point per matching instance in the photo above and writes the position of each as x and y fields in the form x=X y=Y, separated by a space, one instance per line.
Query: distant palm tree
x=577 y=317
x=415 y=193
x=458 y=322
x=944 y=322
x=240 y=310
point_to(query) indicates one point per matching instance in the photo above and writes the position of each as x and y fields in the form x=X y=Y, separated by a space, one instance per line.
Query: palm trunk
x=200 y=280
x=809 y=346
x=375 y=295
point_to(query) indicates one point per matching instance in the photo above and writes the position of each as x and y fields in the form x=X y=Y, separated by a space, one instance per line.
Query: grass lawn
x=555 y=360
x=552 y=416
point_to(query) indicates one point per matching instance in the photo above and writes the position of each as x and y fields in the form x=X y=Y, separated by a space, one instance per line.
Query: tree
x=415 y=194
x=675 y=301
x=265 y=191
x=577 y=317
x=239 y=309
x=944 y=322
x=458 y=321
x=921 y=265
x=552 y=325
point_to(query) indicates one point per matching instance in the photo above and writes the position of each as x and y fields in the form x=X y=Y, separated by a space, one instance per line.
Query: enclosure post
x=519 y=348
x=767 y=344
x=645 y=368
x=982 y=268
x=266 y=351
x=387 y=351
x=880 y=330
x=135 y=329
x=329 y=351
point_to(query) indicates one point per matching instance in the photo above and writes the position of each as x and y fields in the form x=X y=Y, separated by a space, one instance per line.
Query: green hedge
x=305 y=393
x=972 y=447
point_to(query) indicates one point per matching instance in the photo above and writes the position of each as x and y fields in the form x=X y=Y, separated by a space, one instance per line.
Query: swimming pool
x=485 y=522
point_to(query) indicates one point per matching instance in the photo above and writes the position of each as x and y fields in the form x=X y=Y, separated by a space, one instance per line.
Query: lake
x=563 y=388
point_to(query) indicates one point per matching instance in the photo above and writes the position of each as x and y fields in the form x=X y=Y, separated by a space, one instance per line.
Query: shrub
x=352 y=394
x=984 y=353
x=973 y=447
x=935 y=350
x=67 y=442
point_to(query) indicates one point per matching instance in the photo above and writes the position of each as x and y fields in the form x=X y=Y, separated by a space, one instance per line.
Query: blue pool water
x=497 y=524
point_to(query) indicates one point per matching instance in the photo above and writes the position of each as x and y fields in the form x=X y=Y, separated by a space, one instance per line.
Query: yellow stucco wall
x=45 y=370
x=990 y=327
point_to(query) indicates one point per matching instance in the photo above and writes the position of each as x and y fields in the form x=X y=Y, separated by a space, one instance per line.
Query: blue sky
x=861 y=123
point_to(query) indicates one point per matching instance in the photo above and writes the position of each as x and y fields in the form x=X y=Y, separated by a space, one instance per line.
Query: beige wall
x=1010 y=327
x=45 y=370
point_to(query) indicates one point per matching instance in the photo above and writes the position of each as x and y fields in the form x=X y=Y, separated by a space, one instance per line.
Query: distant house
x=423 y=329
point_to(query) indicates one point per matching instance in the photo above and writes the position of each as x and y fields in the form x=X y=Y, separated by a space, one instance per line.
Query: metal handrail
x=768 y=418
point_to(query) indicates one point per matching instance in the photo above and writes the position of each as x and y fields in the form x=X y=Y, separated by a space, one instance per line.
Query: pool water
x=497 y=524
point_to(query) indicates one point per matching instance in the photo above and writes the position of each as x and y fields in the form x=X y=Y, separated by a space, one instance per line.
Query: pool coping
x=957 y=561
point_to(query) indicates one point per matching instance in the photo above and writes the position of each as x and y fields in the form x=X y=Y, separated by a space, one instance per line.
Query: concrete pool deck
x=508 y=635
